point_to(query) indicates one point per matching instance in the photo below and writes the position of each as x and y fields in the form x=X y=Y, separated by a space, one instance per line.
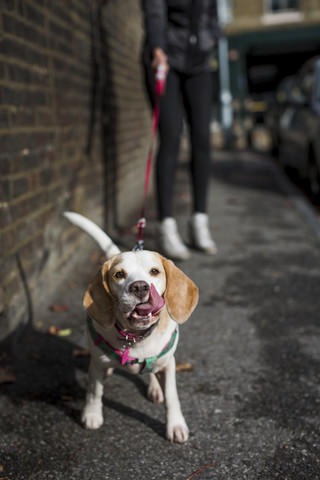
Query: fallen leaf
x=63 y=307
x=184 y=367
x=6 y=376
x=64 y=333
x=80 y=353
x=53 y=330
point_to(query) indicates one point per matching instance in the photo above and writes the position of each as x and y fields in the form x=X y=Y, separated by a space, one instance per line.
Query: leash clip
x=138 y=246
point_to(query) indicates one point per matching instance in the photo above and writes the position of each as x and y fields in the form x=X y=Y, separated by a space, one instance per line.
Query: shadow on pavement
x=45 y=368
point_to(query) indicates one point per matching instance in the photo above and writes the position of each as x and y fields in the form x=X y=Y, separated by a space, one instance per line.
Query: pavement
x=251 y=397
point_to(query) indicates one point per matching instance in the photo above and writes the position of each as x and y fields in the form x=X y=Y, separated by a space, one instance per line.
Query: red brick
x=4 y=190
x=4 y=118
x=19 y=187
x=23 y=97
x=8 y=239
x=18 y=50
x=22 y=116
x=21 y=29
x=31 y=76
x=8 y=4
x=34 y=15
x=5 y=217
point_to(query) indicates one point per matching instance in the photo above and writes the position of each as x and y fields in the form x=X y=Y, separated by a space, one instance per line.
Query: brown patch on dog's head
x=98 y=299
x=181 y=293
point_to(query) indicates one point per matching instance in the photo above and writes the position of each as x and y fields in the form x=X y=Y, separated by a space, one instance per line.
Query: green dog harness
x=147 y=365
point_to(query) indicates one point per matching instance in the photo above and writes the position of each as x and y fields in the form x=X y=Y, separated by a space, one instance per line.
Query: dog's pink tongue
x=153 y=305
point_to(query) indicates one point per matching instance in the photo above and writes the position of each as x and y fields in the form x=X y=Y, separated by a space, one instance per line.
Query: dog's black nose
x=139 y=289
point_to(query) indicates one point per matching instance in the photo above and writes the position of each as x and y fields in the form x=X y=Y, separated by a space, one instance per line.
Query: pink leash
x=160 y=83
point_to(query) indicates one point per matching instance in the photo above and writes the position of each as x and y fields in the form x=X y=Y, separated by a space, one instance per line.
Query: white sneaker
x=171 y=242
x=200 y=234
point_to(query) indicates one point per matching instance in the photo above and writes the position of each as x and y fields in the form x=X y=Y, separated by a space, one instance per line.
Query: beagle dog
x=135 y=304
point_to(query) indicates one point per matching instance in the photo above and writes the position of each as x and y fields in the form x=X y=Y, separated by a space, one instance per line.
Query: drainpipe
x=224 y=17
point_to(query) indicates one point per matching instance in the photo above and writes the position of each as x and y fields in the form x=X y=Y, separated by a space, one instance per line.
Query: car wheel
x=314 y=179
x=282 y=161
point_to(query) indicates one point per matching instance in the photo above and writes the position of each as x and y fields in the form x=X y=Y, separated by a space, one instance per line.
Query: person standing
x=180 y=35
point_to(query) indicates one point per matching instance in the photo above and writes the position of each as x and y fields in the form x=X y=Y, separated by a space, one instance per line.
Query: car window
x=304 y=88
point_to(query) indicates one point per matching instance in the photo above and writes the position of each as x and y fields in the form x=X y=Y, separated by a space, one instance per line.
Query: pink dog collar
x=147 y=365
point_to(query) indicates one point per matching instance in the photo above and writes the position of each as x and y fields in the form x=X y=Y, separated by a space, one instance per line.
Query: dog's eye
x=154 y=272
x=120 y=274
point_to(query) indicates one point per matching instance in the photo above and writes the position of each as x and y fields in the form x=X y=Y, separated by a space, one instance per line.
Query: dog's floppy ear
x=98 y=300
x=181 y=293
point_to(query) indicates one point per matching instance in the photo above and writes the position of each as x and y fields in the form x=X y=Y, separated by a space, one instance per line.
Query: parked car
x=275 y=111
x=299 y=126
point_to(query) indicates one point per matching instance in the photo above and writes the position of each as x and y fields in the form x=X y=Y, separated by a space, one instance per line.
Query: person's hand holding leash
x=161 y=66
x=159 y=58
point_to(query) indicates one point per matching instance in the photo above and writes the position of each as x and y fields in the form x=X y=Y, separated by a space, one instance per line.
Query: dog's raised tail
x=103 y=240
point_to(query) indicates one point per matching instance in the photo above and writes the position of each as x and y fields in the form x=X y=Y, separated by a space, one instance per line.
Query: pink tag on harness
x=125 y=356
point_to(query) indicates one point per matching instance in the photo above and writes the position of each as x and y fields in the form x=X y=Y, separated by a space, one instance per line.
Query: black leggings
x=192 y=95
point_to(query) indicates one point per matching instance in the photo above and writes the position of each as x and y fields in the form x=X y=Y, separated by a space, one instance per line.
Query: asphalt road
x=252 y=397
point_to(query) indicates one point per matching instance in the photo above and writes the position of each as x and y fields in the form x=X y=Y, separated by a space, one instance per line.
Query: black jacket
x=184 y=29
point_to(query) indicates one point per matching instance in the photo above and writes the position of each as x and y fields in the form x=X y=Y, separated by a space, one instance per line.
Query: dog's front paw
x=178 y=433
x=92 y=418
x=155 y=394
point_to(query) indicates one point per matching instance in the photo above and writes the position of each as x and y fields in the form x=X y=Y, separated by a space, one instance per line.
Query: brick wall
x=73 y=127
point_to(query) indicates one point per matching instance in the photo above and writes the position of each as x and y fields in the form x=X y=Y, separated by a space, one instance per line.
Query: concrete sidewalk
x=252 y=398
